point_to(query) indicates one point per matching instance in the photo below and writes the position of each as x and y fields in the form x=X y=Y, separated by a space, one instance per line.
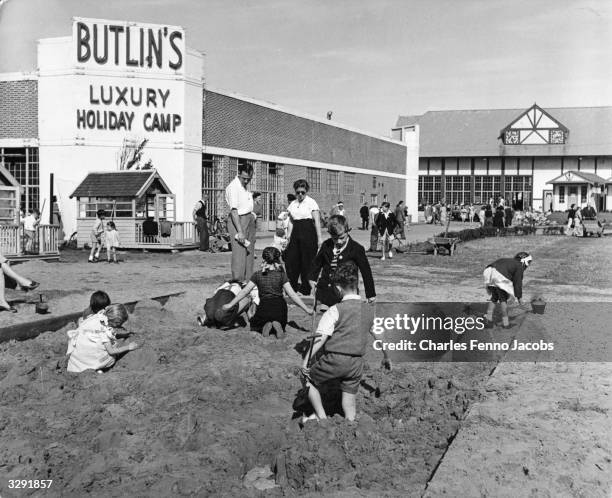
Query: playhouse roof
x=118 y=184
x=6 y=178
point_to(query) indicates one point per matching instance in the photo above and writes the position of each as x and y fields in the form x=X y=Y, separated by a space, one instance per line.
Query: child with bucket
x=504 y=278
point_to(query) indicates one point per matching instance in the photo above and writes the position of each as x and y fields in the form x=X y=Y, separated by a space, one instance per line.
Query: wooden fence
x=175 y=234
x=13 y=241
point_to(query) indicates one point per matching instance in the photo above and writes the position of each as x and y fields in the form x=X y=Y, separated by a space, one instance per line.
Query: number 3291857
x=30 y=483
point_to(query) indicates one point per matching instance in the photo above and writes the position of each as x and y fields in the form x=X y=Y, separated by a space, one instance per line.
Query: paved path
x=415 y=233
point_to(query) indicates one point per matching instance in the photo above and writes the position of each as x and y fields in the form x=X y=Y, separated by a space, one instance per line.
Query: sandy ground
x=200 y=412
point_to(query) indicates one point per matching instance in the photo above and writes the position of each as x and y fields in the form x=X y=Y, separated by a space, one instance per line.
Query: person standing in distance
x=199 y=216
x=364 y=213
x=241 y=223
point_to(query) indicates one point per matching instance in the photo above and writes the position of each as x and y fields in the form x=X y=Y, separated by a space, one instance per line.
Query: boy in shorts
x=95 y=237
x=344 y=330
x=502 y=279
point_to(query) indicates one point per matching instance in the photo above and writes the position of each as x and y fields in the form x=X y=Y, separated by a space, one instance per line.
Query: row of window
x=268 y=176
x=23 y=164
x=313 y=177
x=461 y=190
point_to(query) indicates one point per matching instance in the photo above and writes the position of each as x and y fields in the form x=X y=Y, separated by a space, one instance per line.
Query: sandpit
x=195 y=409
x=199 y=412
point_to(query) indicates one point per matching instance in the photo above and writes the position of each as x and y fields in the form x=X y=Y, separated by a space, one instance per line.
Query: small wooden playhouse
x=141 y=205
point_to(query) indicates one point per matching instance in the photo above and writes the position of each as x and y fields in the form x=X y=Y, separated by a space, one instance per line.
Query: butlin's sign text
x=128 y=45
x=150 y=102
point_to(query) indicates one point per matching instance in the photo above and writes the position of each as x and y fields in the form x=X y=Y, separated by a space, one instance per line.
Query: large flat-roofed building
x=114 y=86
x=547 y=159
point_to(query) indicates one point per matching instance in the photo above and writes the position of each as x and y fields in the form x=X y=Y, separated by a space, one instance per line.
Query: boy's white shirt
x=328 y=321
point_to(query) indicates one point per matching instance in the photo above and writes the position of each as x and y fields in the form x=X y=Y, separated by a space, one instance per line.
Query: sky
x=368 y=61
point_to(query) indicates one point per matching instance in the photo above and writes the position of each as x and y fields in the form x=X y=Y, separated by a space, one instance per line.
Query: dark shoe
x=278 y=330
x=265 y=332
x=11 y=309
x=33 y=285
x=509 y=326
x=488 y=324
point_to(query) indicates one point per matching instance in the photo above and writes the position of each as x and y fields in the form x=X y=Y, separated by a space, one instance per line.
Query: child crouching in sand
x=344 y=330
x=504 y=278
x=92 y=346
x=271 y=313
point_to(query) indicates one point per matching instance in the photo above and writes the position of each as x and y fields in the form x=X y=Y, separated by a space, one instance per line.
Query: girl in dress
x=271 y=280
x=93 y=345
x=111 y=240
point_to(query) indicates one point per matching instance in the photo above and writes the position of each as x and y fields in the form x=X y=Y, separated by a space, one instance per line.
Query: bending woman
x=23 y=282
x=304 y=234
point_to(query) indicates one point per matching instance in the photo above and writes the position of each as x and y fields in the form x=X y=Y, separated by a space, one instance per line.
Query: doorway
x=573 y=195
x=547 y=195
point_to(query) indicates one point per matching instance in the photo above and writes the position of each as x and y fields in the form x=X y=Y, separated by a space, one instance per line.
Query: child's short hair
x=256 y=195
x=524 y=257
x=385 y=204
x=112 y=225
x=346 y=276
x=100 y=213
x=271 y=255
x=98 y=301
x=336 y=224
x=116 y=313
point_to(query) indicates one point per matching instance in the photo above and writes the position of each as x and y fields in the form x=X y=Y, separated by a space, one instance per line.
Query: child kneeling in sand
x=344 y=330
x=270 y=281
x=92 y=346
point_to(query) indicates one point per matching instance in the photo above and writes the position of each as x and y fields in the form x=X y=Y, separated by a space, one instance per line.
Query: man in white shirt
x=241 y=223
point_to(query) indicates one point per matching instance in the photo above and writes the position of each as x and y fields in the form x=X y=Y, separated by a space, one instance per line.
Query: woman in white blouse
x=304 y=234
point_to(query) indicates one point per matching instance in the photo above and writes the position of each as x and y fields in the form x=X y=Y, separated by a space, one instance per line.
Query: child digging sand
x=92 y=346
x=344 y=330
x=271 y=313
x=504 y=278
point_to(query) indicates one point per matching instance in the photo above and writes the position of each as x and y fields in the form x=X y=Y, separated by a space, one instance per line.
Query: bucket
x=538 y=307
